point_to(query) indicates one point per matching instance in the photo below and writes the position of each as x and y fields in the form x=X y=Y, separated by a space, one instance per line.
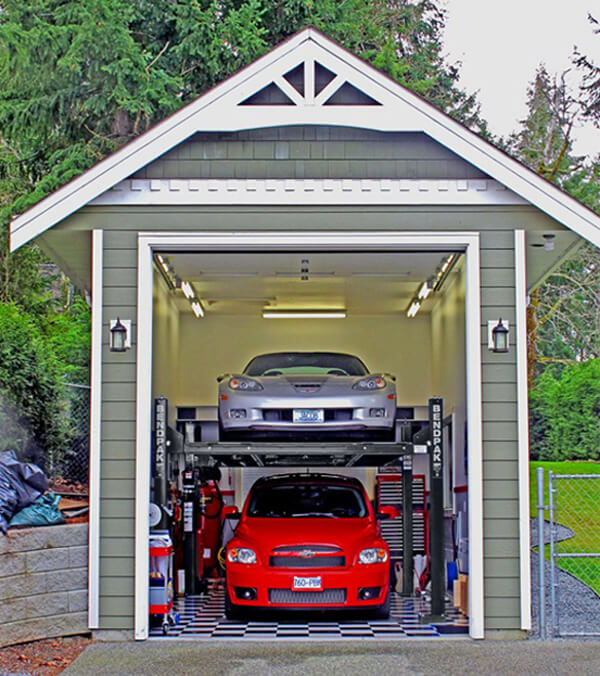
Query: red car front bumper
x=340 y=588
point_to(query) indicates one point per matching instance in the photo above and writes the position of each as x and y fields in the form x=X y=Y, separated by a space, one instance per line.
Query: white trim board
x=219 y=109
x=523 y=426
x=95 y=432
x=340 y=241
x=175 y=192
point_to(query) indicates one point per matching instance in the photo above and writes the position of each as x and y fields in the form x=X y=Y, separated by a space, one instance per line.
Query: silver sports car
x=303 y=393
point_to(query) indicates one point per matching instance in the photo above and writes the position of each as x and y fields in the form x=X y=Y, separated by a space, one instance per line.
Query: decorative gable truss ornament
x=310 y=84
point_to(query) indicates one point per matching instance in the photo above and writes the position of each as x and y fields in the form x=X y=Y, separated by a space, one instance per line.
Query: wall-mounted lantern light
x=120 y=335
x=498 y=334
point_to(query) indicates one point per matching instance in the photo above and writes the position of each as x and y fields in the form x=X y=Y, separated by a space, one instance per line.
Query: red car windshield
x=308 y=500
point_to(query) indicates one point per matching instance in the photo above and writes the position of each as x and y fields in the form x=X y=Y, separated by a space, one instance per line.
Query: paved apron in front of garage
x=202 y=617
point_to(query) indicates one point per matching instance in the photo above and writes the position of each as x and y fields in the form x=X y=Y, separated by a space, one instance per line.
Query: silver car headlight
x=244 y=384
x=241 y=555
x=373 y=555
x=370 y=383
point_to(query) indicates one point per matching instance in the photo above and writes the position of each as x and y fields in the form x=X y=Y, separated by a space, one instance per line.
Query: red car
x=307 y=542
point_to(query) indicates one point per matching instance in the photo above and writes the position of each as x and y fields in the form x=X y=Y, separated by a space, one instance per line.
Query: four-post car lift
x=339 y=454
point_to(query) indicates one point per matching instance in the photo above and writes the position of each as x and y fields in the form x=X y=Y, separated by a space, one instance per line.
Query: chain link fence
x=574 y=506
x=71 y=469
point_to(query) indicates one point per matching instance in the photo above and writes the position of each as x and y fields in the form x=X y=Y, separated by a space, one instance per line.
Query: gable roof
x=308 y=79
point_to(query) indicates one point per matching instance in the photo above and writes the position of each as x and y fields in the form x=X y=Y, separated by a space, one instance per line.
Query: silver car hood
x=306 y=383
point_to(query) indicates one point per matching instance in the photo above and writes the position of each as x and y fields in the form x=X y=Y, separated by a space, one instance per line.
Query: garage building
x=309 y=181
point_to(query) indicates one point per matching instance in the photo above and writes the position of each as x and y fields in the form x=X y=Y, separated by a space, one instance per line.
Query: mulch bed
x=46 y=658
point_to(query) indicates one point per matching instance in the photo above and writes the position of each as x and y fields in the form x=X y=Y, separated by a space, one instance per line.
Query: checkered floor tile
x=202 y=617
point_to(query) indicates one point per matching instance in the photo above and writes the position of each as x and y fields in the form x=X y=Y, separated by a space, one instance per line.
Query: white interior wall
x=166 y=348
x=223 y=344
x=448 y=359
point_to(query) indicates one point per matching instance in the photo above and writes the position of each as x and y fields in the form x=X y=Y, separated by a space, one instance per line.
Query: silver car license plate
x=307 y=583
x=308 y=415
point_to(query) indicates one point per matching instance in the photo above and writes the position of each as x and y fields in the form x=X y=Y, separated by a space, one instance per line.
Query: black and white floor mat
x=202 y=617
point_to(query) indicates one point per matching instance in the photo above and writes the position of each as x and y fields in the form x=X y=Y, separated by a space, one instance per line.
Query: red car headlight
x=241 y=555
x=373 y=555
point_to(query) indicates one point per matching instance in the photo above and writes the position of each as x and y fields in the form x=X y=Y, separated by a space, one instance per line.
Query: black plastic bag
x=21 y=484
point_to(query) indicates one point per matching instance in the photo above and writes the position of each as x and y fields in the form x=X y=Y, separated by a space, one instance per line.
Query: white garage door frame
x=340 y=242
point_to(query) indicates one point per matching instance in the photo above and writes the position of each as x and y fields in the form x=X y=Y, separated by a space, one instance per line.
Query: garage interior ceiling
x=363 y=283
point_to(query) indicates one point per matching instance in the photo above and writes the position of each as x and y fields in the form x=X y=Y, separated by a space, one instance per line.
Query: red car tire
x=232 y=612
x=383 y=612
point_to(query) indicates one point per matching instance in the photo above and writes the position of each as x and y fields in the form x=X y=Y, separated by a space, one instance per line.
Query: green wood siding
x=301 y=152
x=117 y=483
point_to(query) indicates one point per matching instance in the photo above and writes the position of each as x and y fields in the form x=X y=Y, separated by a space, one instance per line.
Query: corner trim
x=95 y=432
x=143 y=345
x=523 y=426
x=474 y=440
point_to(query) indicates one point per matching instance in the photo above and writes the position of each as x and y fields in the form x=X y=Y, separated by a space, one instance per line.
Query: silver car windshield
x=306 y=500
x=331 y=363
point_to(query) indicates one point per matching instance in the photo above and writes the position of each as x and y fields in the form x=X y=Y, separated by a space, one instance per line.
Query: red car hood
x=265 y=534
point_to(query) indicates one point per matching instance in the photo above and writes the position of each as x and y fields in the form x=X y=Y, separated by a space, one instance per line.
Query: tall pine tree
x=79 y=79
x=564 y=313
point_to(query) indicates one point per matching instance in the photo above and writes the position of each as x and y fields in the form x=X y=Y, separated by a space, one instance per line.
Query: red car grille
x=312 y=562
x=322 y=598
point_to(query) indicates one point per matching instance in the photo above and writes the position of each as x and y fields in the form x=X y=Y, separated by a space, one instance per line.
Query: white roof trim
x=219 y=110
x=328 y=191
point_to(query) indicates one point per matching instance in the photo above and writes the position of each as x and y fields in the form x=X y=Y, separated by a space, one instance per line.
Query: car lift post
x=407 y=527
x=436 y=510
x=161 y=410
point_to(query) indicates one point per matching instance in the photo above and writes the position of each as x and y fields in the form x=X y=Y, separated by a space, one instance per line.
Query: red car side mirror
x=231 y=512
x=386 y=512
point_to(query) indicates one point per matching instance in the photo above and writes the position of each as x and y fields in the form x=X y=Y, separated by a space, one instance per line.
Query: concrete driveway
x=447 y=657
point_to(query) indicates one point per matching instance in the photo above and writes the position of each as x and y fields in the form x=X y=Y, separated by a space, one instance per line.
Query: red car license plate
x=302 y=583
x=308 y=415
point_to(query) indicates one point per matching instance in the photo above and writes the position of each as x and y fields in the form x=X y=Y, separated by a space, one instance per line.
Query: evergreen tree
x=590 y=87
x=79 y=79
x=564 y=312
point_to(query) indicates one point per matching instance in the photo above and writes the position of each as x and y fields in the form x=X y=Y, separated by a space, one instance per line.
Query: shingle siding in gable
x=303 y=152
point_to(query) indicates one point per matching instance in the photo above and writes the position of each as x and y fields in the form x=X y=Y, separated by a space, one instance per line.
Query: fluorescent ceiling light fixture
x=165 y=268
x=304 y=314
x=424 y=291
x=413 y=308
x=186 y=287
x=197 y=309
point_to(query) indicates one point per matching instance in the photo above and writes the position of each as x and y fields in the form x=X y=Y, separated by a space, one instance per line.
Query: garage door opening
x=402 y=313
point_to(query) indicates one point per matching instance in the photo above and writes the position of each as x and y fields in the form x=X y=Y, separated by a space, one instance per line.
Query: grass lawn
x=577 y=505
